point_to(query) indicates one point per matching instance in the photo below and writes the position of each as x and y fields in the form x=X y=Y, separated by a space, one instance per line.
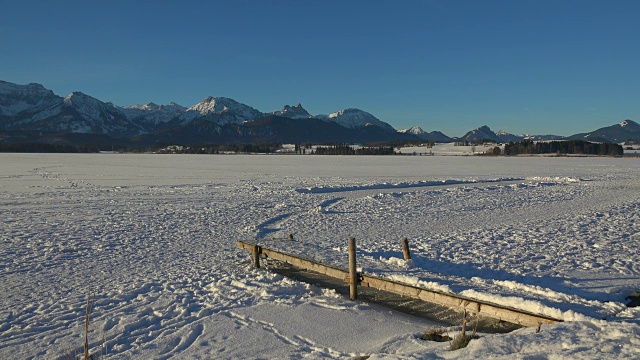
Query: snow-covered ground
x=447 y=149
x=154 y=237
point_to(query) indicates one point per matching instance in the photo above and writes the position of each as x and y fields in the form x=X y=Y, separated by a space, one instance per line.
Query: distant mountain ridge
x=351 y=118
x=621 y=132
x=483 y=133
x=152 y=116
x=33 y=108
x=435 y=136
x=33 y=113
x=506 y=137
x=270 y=129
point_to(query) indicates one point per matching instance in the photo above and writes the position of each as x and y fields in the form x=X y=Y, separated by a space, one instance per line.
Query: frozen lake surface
x=154 y=237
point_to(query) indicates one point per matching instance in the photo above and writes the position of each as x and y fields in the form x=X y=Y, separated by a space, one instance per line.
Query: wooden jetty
x=455 y=302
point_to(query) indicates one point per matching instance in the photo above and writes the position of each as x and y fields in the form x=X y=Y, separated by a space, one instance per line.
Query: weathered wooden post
x=256 y=255
x=405 y=248
x=353 y=273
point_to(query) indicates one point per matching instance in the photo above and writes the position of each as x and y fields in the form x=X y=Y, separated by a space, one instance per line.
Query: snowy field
x=154 y=237
x=447 y=149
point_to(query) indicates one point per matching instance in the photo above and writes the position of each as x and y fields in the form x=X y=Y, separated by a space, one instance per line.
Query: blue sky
x=535 y=67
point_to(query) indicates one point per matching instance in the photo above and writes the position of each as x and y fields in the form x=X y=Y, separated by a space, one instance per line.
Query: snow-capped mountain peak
x=351 y=112
x=424 y=135
x=293 y=112
x=224 y=110
x=620 y=132
x=82 y=101
x=415 y=130
x=352 y=117
x=7 y=87
x=155 y=107
x=90 y=106
x=218 y=105
x=148 y=106
x=629 y=123
x=506 y=137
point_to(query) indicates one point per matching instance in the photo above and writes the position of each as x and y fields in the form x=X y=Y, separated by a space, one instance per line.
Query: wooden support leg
x=353 y=273
x=405 y=249
x=256 y=256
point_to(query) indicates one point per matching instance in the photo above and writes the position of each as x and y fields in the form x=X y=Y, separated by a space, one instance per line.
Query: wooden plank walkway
x=438 y=315
x=455 y=302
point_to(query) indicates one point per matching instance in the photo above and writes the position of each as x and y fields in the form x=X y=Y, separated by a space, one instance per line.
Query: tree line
x=217 y=149
x=562 y=147
x=349 y=150
x=36 y=147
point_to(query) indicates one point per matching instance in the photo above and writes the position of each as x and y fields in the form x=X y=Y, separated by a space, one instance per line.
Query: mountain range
x=32 y=113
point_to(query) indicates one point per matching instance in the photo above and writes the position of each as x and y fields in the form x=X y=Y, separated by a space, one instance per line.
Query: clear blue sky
x=538 y=67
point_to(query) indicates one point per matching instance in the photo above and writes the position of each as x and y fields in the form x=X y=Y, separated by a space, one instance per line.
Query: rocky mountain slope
x=22 y=101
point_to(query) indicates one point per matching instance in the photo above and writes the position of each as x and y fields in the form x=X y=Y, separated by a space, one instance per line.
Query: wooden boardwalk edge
x=455 y=302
